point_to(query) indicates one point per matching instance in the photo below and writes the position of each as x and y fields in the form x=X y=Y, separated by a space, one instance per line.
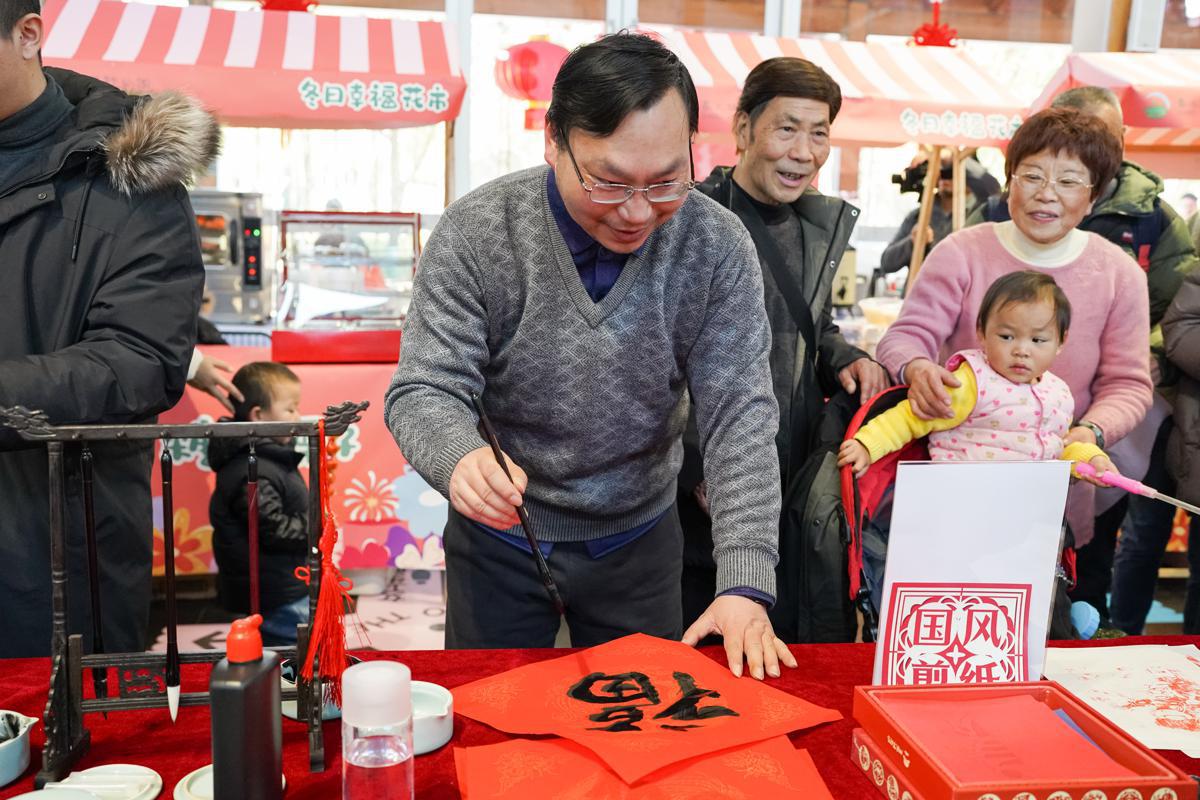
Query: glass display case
x=346 y=270
x=347 y=279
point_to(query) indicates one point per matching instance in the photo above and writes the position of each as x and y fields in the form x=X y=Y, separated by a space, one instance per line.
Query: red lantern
x=287 y=5
x=935 y=34
x=526 y=72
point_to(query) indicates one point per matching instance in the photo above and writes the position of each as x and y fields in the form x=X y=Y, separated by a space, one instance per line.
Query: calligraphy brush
x=99 y=674
x=522 y=514
x=168 y=528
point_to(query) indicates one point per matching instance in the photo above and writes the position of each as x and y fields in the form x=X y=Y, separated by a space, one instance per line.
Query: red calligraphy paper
x=1005 y=738
x=956 y=633
x=639 y=703
x=524 y=768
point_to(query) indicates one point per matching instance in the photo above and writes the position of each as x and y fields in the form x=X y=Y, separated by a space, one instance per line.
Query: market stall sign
x=891 y=93
x=285 y=69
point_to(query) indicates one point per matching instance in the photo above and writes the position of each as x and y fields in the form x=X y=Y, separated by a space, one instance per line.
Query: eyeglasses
x=611 y=194
x=1034 y=182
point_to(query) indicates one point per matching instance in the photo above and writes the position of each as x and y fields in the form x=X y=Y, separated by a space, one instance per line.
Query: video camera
x=913 y=178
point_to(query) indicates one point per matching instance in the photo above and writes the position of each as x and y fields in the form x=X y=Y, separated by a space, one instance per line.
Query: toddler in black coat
x=272 y=394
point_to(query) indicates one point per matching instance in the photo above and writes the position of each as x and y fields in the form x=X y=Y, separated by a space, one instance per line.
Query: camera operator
x=980 y=184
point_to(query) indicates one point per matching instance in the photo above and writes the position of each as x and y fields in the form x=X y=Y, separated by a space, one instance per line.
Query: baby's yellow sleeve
x=1080 y=453
x=898 y=426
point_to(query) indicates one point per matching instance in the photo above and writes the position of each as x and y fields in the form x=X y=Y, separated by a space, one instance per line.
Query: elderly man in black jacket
x=102 y=276
x=782 y=127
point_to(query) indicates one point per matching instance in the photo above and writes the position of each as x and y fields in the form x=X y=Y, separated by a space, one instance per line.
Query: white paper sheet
x=1150 y=691
x=975 y=524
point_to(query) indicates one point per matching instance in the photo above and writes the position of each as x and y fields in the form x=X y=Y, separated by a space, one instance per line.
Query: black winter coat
x=282 y=523
x=101 y=273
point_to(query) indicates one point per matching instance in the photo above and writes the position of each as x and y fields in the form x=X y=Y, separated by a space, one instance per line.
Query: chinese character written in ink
x=686 y=708
x=629 y=687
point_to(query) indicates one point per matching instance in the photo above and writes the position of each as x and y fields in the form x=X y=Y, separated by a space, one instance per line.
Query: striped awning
x=891 y=93
x=1159 y=93
x=265 y=68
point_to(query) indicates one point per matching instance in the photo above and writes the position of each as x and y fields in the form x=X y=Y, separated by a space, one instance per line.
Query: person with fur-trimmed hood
x=102 y=277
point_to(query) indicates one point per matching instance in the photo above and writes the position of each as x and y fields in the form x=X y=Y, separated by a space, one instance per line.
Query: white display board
x=970 y=573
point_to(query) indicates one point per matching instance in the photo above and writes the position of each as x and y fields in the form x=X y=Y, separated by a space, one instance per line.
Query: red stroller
x=863 y=497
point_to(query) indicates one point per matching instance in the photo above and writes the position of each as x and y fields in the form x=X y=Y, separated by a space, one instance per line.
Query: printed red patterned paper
x=525 y=768
x=639 y=703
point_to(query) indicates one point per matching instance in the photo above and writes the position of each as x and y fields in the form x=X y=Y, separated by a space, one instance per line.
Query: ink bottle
x=247 y=736
x=377 y=732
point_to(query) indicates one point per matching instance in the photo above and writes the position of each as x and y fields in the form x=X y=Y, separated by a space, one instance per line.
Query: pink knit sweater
x=1105 y=360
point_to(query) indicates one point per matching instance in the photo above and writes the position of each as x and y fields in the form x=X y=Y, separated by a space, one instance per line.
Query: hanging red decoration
x=526 y=72
x=327 y=634
x=935 y=34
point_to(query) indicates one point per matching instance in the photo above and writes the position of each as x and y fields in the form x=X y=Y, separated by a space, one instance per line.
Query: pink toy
x=1134 y=487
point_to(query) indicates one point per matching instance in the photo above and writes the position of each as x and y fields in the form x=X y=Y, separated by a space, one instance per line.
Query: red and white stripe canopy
x=891 y=93
x=1159 y=92
x=1160 y=98
x=267 y=68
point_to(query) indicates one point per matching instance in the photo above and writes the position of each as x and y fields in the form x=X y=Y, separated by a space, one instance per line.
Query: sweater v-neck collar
x=594 y=313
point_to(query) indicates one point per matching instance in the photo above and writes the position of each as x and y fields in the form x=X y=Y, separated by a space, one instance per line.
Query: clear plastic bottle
x=377 y=734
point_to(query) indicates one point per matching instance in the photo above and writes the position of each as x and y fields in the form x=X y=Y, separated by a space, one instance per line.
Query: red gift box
x=876 y=764
x=1007 y=742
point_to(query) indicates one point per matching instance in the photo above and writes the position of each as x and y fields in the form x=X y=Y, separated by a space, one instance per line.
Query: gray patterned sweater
x=590 y=399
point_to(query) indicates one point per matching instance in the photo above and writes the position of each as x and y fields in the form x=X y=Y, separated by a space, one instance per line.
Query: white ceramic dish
x=56 y=794
x=198 y=785
x=114 y=782
x=433 y=716
x=14 y=754
x=287 y=680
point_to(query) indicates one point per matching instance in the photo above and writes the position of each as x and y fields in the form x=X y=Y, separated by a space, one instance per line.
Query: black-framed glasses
x=612 y=194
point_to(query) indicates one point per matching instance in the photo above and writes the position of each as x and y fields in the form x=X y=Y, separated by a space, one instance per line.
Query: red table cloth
x=826 y=676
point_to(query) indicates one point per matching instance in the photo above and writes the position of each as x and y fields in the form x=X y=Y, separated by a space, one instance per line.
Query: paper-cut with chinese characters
x=639 y=703
x=957 y=633
x=525 y=768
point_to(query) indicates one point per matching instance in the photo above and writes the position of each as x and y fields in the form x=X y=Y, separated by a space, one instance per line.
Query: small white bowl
x=14 y=754
x=433 y=716
x=287 y=680
x=881 y=310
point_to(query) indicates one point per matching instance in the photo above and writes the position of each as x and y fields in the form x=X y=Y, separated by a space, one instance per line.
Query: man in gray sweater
x=584 y=303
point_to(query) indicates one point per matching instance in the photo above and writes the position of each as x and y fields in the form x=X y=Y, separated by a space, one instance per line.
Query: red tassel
x=327 y=634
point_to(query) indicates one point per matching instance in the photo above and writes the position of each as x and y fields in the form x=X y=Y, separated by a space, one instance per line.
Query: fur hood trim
x=166 y=139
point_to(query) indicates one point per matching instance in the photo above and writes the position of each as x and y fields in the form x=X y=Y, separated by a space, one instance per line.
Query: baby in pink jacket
x=1009 y=406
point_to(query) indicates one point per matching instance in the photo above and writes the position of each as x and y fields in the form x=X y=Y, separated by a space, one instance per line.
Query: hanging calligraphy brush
x=327 y=642
x=540 y=560
x=168 y=529
x=252 y=525
x=99 y=674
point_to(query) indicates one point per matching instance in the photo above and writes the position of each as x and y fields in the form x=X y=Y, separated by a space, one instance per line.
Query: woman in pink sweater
x=1057 y=164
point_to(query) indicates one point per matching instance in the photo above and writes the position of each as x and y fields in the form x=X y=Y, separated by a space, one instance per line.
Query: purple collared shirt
x=599 y=268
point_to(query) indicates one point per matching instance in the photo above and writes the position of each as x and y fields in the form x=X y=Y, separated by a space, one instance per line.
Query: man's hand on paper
x=748 y=635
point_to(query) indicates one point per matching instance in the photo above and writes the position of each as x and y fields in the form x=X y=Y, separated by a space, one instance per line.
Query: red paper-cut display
x=525 y=768
x=639 y=703
x=957 y=633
